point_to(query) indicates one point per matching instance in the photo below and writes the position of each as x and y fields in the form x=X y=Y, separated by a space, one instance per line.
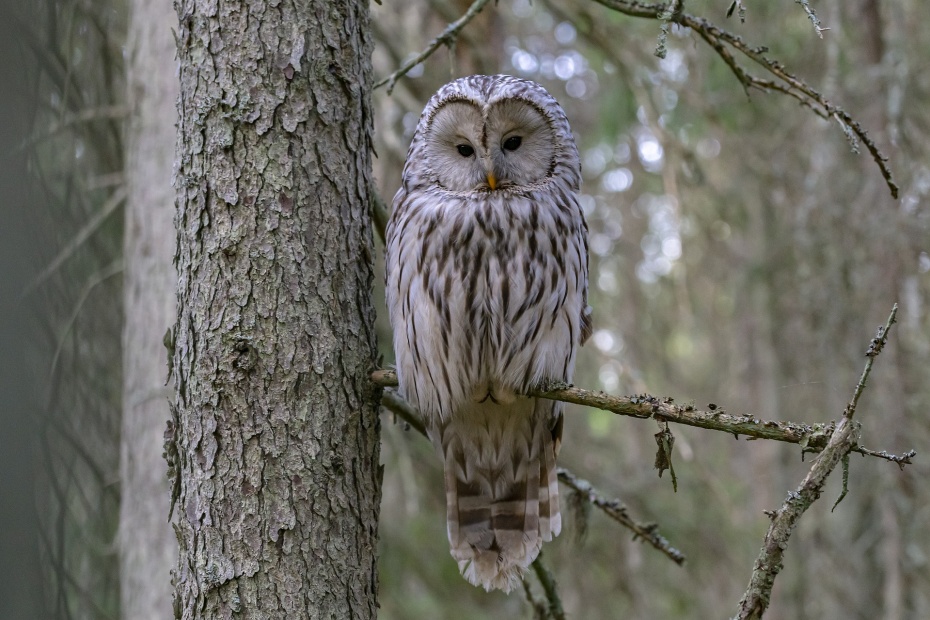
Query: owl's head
x=494 y=133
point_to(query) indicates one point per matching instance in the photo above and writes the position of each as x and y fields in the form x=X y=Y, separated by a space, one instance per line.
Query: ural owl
x=487 y=283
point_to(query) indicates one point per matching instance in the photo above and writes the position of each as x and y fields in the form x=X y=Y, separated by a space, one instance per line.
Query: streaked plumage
x=487 y=279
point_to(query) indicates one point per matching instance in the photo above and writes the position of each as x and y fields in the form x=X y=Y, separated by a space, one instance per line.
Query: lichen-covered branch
x=447 y=37
x=615 y=509
x=788 y=83
x=769 y=563
x=812 y=437
x=811 y=15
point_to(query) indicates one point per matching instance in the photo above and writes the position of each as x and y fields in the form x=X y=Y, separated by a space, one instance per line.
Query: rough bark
x=277 y=436
x=146 y=541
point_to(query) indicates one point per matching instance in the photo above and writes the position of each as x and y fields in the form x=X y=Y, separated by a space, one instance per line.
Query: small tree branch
x=615 y=509
x=812 y=437
x=447 y=38
x=769 y=563
x=900 y=459
x=87 y=230
x=811 y=15
x=397 y=405
x=792 y=85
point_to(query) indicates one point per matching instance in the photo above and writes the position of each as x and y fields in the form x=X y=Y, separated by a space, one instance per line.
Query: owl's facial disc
x=508 y=144
x=455 y=152
x=521 y=143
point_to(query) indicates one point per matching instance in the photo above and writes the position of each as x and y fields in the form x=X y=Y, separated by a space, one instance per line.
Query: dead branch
x=769 y=563
x=615 y=509
x=447 y=38
x=789 y=84
x=812 y=437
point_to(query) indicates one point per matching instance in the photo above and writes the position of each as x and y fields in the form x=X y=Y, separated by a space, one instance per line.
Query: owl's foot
x=495 y=393
x=552 y=385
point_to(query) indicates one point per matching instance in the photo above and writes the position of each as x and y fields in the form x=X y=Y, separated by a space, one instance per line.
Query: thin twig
x=770 y=561
x=396 y=403
x=615 y=509
x=811 y=15
x=900 y=459
x=111 y=112
x=875 y=347
x=845 y=482
x=114 y=268
x=447 y=38
x=794 y=86
x=94 y=223
x=813 y=437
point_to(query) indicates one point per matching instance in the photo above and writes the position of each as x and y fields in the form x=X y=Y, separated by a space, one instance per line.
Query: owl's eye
x=465 y=150
x=513 y=143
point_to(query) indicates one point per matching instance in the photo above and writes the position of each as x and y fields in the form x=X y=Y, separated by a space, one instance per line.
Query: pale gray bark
x=277 y=437
x=147 y=543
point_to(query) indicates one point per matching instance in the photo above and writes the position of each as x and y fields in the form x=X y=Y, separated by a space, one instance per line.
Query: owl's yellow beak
x=492 y=180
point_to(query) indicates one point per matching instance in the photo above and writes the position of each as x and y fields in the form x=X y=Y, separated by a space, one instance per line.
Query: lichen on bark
x=277 y=420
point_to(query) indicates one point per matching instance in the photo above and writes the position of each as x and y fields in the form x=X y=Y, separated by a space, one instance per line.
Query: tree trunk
x=147 y=542
x=277 y=429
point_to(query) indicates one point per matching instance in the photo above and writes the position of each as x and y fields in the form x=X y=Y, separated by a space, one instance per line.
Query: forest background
x=742 y=255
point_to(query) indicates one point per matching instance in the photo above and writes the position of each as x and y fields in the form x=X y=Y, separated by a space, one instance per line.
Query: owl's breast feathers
x=487 y=292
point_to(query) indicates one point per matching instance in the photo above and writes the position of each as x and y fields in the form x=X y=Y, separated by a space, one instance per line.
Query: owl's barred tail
x=502 y=496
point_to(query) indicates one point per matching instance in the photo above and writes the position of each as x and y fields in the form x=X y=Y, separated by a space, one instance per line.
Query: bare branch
x=114 y=268
x=901 y=460
x=447 y=38
x=618 y=512
x=811 y=15
x=792 y=85
x=540 y=612
x=812 y=437
x=396 y=403
x=769 y=563
x=111 y=112
x=92 y=225
x=875 y=347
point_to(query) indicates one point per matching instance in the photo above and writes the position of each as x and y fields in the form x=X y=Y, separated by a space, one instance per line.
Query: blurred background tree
x=68 y=63
x=741 y=255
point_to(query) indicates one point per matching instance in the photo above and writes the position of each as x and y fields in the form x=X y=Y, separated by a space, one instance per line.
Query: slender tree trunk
x=277 y=427
x=147 y=542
